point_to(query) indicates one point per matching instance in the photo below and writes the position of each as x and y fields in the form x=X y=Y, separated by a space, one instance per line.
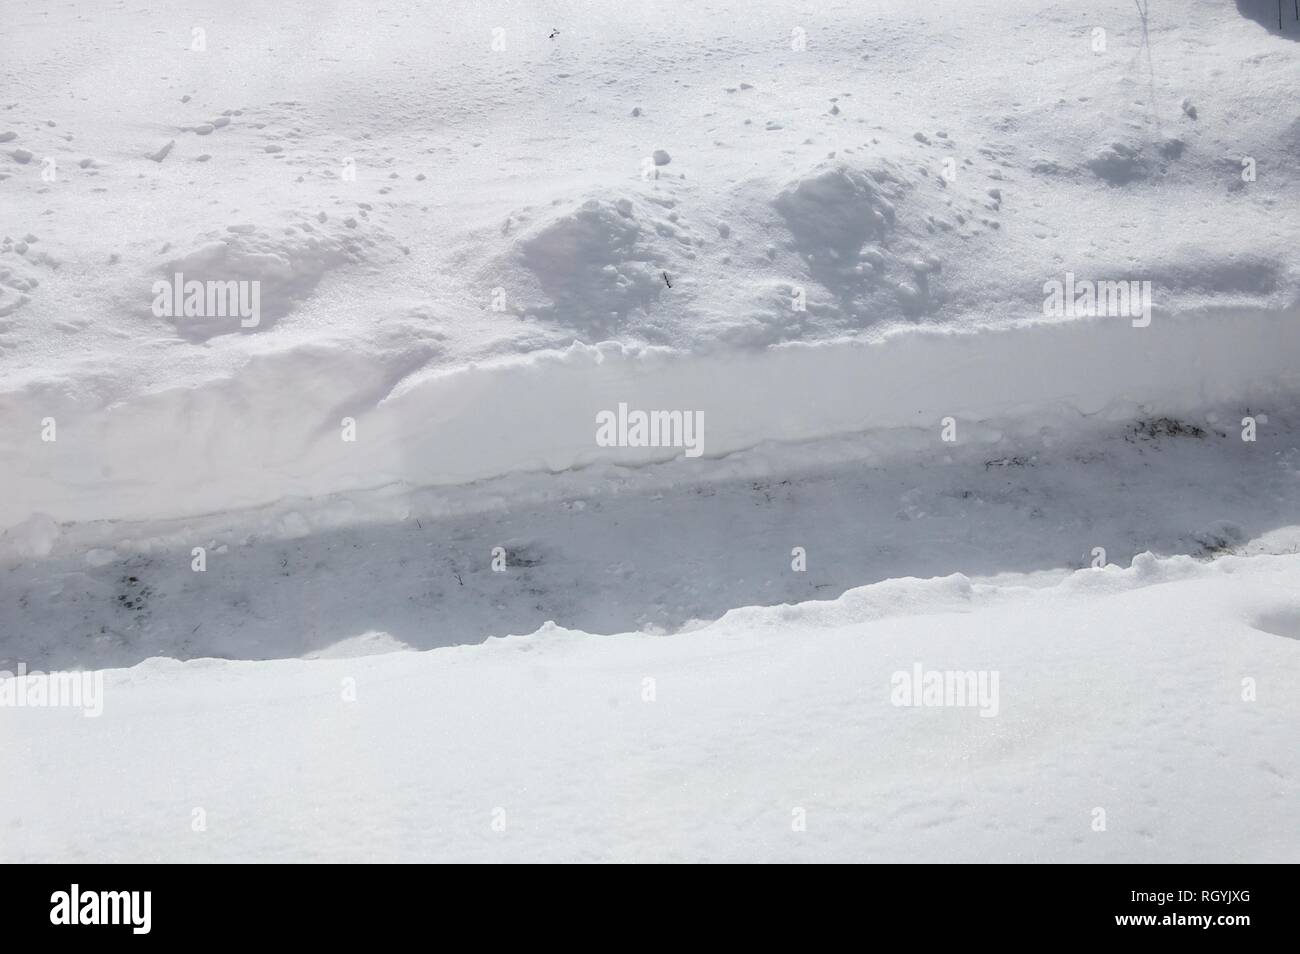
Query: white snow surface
x=1118 y=690
x=469 y=252
x=521 y=170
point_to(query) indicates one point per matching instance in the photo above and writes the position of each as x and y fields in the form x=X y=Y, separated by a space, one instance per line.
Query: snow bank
x=278 y=427
x=1157 y=701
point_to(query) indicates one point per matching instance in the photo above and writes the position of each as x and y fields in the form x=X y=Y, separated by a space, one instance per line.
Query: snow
x=1118 y=690
x=190 y=451
x=365 y=582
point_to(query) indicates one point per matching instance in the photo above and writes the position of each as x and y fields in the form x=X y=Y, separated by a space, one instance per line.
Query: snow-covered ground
x=770 y=734
x=824 y=232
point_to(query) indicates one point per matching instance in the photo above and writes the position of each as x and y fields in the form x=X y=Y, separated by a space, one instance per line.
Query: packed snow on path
x=982 y=316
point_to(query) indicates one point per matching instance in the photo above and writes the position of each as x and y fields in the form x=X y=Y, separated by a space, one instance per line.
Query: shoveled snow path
x=610 y=549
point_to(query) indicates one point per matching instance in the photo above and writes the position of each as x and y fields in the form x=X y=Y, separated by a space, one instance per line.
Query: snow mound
x=599 y=266
x=33 y=537
x=872 y=236
x=287 y=267
x=1284 y=622
x=1118 y=163
x=16 y=284
x=372 y=643
x=836 y=211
